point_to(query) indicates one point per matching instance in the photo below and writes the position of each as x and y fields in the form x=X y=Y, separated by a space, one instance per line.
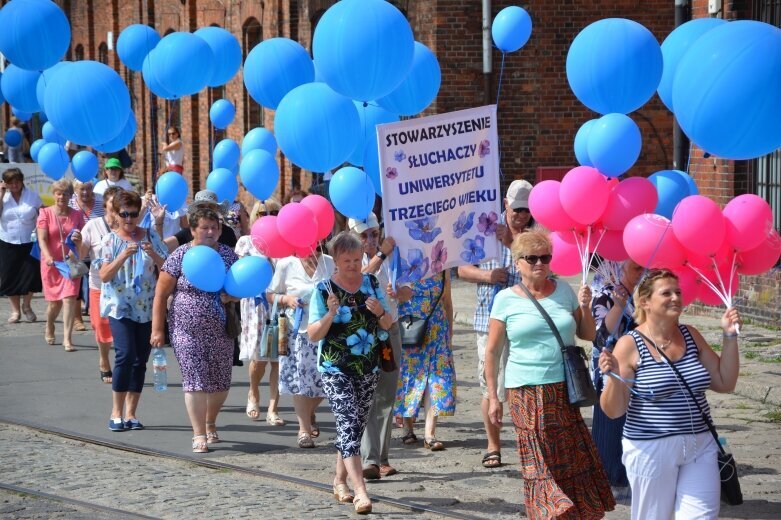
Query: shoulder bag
x=387 y=359
x=76 y=268
x=580 y=389
x=269 y=338
x=413 y=329
x=232 y=319
x=728 y=469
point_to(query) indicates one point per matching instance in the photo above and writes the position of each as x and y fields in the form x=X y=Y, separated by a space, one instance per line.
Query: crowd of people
x=328 y=328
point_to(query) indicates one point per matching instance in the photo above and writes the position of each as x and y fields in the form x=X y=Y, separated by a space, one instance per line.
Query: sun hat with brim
x=113 y=162
x=359 y=226
x=209 y=199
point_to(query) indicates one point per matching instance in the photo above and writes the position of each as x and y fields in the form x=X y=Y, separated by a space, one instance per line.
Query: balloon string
x=501 y=74
x=725 y=291
x=710 y=284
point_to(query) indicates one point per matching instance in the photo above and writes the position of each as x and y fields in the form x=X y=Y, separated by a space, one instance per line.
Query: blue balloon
x=316 y=128
x=13 y=137
x=275 y=67
x=88 y=103
x=726 y=93
x=259 y=139
x=222 y=113
x=21 y=115
x=35 y=148
x=19 y=87
x=370 y=115
x=182 y=63
x=614 y=66
x=36 y=34
x=693 y=190
x=614 y=144
x=53 y=160
x=581 y=143
x=204 y=268
x=226 y=154
x=171 y=190
x=673 y=49
x=84 y=166
x=134 y=43
x=51 y=135
x=226 y=51
x=151 y=80
x=672 y=188
x=259 y=173
x=511 y=29
x=223 y=182
x=124 y=138
x=352 y=193
x=248 y=277
x=419 y=88
x=43 y=81
x=363 y=48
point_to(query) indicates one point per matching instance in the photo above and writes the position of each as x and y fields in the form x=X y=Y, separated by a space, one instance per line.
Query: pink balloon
x=689 y=283
x=708 y=296
x=584 y=193
x=297 y=224
x=699 y=225
x=303 y=252
x=566 y=259
x=611 y=245
x=649 y=240
x=267 y=239
x=762 y=257
x=629 y=198
x=545 y=207
x=749 y=219
x=723 y=257
x=324 y=214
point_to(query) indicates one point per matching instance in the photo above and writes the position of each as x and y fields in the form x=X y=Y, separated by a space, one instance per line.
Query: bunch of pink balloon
x=296 y=230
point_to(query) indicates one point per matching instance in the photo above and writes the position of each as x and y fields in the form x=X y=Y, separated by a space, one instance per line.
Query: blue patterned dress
x=428 y=368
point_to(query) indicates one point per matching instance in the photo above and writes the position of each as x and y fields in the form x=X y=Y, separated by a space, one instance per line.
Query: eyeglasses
x=533 y=259
x=521 y=210
x=128 y=214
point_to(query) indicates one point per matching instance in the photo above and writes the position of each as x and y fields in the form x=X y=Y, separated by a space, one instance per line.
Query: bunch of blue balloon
x=613 y=67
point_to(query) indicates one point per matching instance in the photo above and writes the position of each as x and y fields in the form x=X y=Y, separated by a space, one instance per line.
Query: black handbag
x=232 y=319
x=580 y=388
x=413 y=329
x=728 y=469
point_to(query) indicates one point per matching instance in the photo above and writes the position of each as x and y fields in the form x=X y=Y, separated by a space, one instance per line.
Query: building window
x=252 y=34
x=103 y=53
x=78 y=53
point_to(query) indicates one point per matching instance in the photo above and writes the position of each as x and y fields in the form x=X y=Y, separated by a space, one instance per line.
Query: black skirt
x=19 y=272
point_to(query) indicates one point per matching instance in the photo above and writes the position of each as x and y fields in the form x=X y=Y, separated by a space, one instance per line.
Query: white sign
x=440 y=183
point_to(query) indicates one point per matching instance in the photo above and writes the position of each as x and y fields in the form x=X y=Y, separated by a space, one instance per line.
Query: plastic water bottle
x=159 y=366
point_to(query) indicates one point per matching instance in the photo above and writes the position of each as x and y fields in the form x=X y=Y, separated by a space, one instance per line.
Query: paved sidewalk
x=43 y=384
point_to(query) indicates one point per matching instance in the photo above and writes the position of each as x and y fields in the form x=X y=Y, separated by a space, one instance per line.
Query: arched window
x=103 y=53
x=78 y=53
x=252 y=34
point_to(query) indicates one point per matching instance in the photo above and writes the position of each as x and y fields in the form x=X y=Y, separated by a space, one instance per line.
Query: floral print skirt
x=298 y=373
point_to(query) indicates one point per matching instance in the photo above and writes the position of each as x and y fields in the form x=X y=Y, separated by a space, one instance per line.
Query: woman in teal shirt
x=562 y=474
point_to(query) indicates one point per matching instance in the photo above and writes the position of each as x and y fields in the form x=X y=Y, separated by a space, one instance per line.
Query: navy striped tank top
x=671 y=410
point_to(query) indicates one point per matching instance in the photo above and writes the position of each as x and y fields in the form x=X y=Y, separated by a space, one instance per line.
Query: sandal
x=79 y=326
x=343 y=494
x=363 y=506
x=200 y=446
x=274 y=419
x=386 y=470
x=433 y=444
x=106 y=376
x=29 y=315
x=212 y=437
x=14 y=317
x=492 y=459
x=315 y=432
x=68 y=347
x=49 y=338
x=305 y=440
x=409 y=438
x=253 y=410
x=371 y=472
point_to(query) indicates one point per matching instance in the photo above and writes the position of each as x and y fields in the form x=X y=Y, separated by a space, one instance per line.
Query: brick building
x=538 y=114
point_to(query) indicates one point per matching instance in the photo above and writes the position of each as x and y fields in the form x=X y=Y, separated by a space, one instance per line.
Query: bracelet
x=730 y=335
x=381 y=315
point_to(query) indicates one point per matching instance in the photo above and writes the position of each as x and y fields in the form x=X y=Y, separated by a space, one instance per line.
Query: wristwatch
x=381 y=255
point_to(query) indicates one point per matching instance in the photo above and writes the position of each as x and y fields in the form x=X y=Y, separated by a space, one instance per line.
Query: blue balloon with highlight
x=182 y=63
x=51 y=135
x=248 y=277
x=84 y=166
x=35 y=34
x=226 y=154
x=13 y=137
x=259 y=139
x=18 y=87
x=274 y=67
x=204 y=268
x=419 y=89
x=259 y=173
x=223 y=182
x=35 y=148
x=581 y=143
x=614 y=144
x=511 y=29
x=171 y=190
x=671 y=188
x=352 y=193
x=53 y=160
x=222 y=113
x=226 y=51
x=21 y=115
x=134 y=43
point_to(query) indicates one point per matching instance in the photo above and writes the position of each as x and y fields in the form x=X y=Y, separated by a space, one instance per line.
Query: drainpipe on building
x=487 y=47
x=683 y=14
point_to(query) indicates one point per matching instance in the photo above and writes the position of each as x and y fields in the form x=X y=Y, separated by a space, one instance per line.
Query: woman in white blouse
x=20 y=273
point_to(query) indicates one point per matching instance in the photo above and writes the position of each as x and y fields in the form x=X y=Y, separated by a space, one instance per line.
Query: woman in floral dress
x=197 y=325
x=428 y=375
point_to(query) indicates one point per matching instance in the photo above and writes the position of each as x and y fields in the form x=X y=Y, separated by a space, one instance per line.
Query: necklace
x=659 y=346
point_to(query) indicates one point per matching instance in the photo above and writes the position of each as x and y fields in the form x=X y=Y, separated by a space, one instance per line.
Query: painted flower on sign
x=484 y=148
x=463 y=224
x=473 y=251
x=438 y=257
x=423 y=229
x=391 y=172
x=414 y=267
x=486 y=223
x=399 y=155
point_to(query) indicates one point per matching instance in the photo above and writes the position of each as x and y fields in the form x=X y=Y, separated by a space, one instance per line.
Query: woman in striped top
x=670 y=456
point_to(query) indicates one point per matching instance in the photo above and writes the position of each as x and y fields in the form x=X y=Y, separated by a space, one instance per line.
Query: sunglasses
x=128 y=214
x=265 y=213
x=533 y=259
x=521 y=210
